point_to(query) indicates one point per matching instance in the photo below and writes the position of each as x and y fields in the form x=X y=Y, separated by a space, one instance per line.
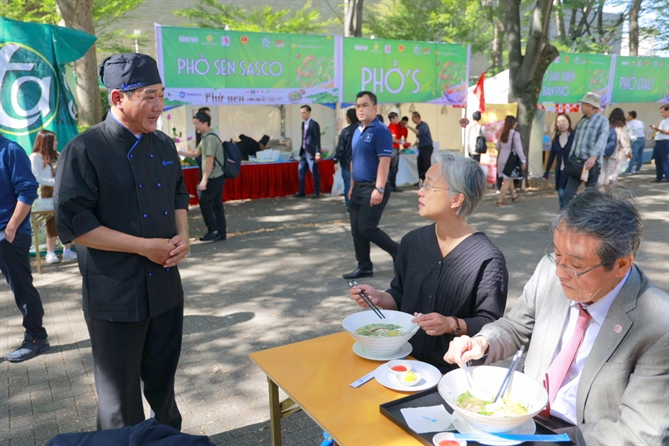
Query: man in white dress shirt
x=615 y=386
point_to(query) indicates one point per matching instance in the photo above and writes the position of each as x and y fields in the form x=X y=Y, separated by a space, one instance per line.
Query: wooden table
x=316 y=375
x=37 y=218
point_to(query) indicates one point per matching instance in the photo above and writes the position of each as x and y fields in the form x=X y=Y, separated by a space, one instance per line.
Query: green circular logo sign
x=29 y=91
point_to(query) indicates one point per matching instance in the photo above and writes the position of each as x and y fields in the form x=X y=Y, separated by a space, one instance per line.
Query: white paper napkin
x=427 y=419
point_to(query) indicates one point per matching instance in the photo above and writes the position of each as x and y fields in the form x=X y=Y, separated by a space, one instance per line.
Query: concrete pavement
x=276 y=280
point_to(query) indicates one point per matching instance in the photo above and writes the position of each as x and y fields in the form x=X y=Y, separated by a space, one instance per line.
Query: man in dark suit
x=310 y=152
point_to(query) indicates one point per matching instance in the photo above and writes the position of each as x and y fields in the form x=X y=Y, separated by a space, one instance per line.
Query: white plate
x=527 y=428
x=429 y=377
x=403 y=352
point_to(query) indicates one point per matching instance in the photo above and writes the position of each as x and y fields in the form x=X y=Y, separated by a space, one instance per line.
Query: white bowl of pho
x=379 y=337
x=525 y=398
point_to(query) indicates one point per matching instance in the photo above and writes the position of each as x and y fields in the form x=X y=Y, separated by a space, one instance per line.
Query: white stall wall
x=326 y=118
x=227 y=121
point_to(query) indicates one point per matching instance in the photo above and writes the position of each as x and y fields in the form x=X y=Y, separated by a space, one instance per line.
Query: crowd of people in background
x=129 y=222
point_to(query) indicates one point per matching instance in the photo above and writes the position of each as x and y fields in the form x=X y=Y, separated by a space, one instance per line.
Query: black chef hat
x=264 y=140
x=129 y=71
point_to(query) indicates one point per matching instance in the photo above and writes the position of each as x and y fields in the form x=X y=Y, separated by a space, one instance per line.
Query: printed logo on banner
x=244 y=40
x=416 y=50
x=400 y=48
x=426 y=51
x=225 y=40
x=266 y=43
x=210 y=38
x=387 y=49
x=188 y=39
x=279 y=44
x=28 y=90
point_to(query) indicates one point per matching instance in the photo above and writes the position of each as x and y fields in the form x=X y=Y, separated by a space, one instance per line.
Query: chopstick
x=367 y=300
x=509 y=374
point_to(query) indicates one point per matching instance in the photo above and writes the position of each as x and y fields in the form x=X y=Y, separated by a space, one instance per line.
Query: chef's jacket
x=109 y=177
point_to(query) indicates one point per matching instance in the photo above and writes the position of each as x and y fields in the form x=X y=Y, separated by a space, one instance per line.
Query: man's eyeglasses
x=570 y=272
x=428 y=187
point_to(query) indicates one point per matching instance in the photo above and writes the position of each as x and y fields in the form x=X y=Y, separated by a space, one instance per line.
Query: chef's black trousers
x=130 y=355
x=15 y=266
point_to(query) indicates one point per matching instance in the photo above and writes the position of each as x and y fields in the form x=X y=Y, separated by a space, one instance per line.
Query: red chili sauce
x=399 y=368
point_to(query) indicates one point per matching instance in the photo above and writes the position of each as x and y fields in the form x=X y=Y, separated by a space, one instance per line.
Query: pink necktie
x=562 y=362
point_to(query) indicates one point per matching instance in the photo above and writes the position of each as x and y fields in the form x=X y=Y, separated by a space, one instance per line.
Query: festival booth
x=407 y=76
x=631 y=83
x=255 y=84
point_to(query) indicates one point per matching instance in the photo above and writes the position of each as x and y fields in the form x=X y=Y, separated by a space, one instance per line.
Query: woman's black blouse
x=470 y=283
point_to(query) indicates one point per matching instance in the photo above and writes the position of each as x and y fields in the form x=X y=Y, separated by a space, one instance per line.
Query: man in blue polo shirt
x=18 y=190
x=372 y=151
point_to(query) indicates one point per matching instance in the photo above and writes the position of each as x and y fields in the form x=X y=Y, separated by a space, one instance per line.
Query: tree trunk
x=634 y=27
x=498 y=45
x=559 y=20
x=78 y=14
x=526 y=72
x=353 y=18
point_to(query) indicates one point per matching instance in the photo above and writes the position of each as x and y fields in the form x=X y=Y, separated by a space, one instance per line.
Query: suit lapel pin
x=618 y=328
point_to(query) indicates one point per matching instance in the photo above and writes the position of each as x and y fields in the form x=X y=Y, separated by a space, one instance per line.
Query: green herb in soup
x=503 y=408
x=380 y=330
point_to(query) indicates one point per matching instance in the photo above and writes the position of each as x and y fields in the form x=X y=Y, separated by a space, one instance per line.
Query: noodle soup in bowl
x=525 y=398
x=379 y=337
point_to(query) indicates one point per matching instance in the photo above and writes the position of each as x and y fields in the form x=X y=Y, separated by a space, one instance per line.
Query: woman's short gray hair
x=463 y=176
x=610 y=216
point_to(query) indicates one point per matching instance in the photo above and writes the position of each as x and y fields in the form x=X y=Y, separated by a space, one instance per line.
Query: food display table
x=264 y=180
x=316 y=375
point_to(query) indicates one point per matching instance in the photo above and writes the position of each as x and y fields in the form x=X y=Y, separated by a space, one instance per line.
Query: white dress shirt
x=664 y=125
x=304 y=133
x=564 y=406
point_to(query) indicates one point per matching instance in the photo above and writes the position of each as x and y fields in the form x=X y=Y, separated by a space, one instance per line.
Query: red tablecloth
x=264 y=180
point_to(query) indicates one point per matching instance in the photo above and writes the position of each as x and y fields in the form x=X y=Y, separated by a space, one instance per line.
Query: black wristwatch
x=457 y=329
x=381 y=190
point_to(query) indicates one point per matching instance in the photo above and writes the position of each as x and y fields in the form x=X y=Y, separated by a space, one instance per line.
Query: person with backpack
x=213 y=179
x=618 y=147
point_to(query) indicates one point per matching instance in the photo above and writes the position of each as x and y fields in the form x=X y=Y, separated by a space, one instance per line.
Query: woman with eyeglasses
x=448 y=271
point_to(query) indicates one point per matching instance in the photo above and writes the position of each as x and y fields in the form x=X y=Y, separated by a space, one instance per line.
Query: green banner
x=406 y=71
x=212 y=66
x=571 y=75
x=33 y=92
x=641 y=79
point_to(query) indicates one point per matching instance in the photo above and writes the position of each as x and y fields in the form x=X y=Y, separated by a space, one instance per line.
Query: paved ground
x=276 y=280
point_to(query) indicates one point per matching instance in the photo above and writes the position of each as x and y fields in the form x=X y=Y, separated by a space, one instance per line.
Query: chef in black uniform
x=120 y=195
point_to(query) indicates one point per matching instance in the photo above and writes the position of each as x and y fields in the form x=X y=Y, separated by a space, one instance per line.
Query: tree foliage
x=430 y=20
x=38 y=11
x=211 y=14
x=106 y=13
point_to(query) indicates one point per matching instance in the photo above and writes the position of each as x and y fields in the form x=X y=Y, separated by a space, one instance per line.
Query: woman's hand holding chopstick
x=379 y=298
